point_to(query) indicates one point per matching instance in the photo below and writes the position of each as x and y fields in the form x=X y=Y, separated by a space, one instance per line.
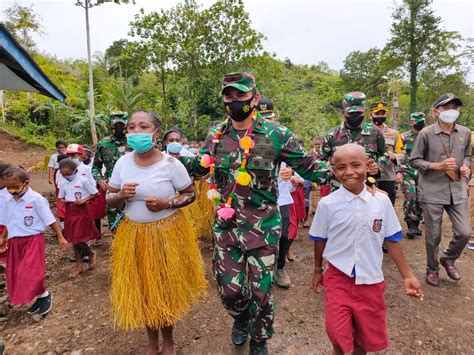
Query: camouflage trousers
x=411 y=206
x=245 y=278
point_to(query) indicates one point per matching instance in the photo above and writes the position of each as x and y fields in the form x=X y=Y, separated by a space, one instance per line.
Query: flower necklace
x=243 y=178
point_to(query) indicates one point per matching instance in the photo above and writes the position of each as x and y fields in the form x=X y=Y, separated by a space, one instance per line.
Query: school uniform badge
x=78 y=195
x=28 y=221
x=377 y=226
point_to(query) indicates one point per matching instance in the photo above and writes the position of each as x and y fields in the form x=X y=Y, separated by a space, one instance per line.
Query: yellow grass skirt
x=157 y=272
x=202 y=211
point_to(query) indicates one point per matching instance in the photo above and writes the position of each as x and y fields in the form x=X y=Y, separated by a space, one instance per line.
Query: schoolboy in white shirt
x=349 y=229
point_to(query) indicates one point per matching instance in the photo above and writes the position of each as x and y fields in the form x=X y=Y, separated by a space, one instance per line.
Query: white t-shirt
x=28 y=216
x=284 y=190
x=354 y=228
x=78 y=188
x=162 y=179
x=53 y=161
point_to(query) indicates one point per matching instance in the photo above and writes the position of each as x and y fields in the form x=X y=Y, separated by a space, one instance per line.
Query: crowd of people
x=250 y=187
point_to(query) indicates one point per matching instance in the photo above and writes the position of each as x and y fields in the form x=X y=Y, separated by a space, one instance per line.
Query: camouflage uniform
x=366 y=135
x=250 y=240
x=107 y=152
x=411 y=206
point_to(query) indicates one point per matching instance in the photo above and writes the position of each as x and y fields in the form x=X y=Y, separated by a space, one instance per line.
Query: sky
x=307 y=32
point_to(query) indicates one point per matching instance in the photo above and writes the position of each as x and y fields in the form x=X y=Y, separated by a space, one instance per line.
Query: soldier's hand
x=373 y=168
x=103 y=184
x=128 y=190
x=317 y=281
x=156 y=204
x=399 y=178
x=465 y=171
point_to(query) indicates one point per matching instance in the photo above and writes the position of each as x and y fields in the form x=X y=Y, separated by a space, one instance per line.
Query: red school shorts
x=354 y=313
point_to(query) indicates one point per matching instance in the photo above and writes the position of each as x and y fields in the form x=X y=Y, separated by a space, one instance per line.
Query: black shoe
x=258 y=347
x=411 y=232
x=45 y=304
x=239 y=333
x=35 y=307
x=416 y=229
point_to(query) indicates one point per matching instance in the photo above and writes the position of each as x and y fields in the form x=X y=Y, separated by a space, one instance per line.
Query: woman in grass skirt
x=157 y=268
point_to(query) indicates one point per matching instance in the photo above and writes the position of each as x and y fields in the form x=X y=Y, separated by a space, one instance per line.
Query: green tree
x=419 y=43
x=22 y=22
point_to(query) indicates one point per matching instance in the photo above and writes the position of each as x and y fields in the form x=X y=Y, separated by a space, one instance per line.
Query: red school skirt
x=26 y=268
x=60 y=209
x=97 y=206
x=3 y=256
x=79 y=227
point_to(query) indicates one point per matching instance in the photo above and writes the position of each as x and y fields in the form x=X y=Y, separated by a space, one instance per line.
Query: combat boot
x=411 y=231
x=258 y=347
x=240 y=333
x=416 y=229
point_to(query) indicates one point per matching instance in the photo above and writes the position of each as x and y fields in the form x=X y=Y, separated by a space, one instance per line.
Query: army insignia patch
x=377 y=226
x=28 y=221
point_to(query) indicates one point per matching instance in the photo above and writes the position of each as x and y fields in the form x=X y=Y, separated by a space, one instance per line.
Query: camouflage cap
x=244 y=82
x=118 y=117
x=418 y=117
x=445 y=98
x=265 y=107
x=378 y=106
x=354 y=102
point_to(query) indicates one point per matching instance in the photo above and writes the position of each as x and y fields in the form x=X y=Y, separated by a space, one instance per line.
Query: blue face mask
x=70 y=177
x=193 y=150
x=140 y=142
x=174 y=148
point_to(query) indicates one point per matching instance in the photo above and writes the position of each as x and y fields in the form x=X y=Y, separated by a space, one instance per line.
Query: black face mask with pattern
x=379 y=120
x=419 y=126
x=239 y=110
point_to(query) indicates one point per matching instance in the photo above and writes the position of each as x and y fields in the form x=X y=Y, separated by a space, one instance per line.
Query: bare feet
x=92 y=259
x=153 y=350
x=78 y=268
x=290 y=256
x=168 y=349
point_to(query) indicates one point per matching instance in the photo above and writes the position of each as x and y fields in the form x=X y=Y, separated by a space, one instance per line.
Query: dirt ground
x=80 y=323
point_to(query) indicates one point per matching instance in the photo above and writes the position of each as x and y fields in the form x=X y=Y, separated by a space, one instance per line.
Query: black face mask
x=419 y=126
x=354 y=121
x=239 y=110
x=119 y=131
x=87 y=161
x=379 y=120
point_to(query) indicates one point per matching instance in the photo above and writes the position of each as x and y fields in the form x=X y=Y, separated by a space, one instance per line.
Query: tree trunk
x=396 y=117
x=413 y=61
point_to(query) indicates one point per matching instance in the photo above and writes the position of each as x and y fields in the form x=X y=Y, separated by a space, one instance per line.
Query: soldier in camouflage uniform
x=107 y=152
x=246 y=244
x=411 y=206
x=355 y=130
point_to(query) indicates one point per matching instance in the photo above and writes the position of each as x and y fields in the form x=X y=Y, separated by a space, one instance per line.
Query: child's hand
x=413 y=287
x=317 y=281
x=286 y=173
x=373 y=168
x=79 y=202
x=63 y=243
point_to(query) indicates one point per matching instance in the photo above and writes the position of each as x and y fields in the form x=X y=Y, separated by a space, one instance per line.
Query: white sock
x=44 y=294
x=61 y=223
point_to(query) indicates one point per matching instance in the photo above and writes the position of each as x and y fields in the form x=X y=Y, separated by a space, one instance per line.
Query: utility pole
x=87 y=5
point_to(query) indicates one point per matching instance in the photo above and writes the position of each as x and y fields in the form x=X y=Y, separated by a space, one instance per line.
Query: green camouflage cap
x=244 y=82
x=418 y=117
x=118 y=117
x=354 y=102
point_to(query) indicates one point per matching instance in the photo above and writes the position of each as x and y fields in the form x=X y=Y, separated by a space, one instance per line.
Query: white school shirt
x=78 y=188
x=28 y=216
x=53 y=161
x=85 y=171
x=354 y=228
x=162 y=179
x=284 y=190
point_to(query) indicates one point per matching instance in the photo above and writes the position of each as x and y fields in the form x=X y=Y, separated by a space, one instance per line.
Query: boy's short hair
x=61 y=142
x=3 y=167
x=68 y=164
x=62 y=157
x=15 y=172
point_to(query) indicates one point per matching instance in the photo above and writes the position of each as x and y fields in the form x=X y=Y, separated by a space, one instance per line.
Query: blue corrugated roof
x=19 y=61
